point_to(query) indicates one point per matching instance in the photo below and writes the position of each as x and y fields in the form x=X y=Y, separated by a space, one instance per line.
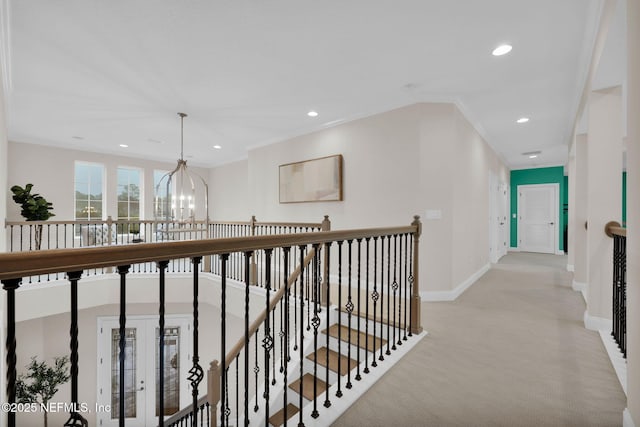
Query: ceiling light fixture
x=503 y=49
x=176 y=191
x=124 y=146
x=217 y=147
x=532 y=154
x=312 y=114
x=522 y=120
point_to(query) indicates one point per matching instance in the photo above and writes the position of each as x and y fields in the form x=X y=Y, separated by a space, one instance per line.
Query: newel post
x=213 y=391
x=326 y=226
x=416 y=324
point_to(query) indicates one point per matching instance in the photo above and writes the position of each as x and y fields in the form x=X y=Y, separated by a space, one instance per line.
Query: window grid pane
x=130 y=394
x=171 y=358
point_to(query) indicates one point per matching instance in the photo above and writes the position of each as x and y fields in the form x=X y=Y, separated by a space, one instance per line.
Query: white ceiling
x=117 y=72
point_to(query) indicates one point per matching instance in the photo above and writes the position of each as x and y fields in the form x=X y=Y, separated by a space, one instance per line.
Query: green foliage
x=34 y=206
x=41 y=381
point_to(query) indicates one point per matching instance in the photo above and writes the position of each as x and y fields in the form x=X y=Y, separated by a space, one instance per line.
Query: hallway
x=510 y=351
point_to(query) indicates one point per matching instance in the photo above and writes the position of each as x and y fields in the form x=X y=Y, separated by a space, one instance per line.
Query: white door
x=502 y=219
x=538 y=218
x=498 y=219
x=142 y=369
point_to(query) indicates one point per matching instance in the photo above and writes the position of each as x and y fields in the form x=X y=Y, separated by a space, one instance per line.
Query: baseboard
x=582 y=288
x=594 y=323
x=617 y=359
x=455 y=293
x=512 y=249
x=558 y=252
x=570 y=268
x=627 y=421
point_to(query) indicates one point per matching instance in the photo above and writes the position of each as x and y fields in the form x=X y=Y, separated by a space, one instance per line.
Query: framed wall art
x=316 y=180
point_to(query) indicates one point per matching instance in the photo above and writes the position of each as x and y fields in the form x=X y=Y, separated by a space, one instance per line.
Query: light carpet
x=511 y=351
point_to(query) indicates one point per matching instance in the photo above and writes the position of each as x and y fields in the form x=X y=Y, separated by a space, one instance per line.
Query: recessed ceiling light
x=522 y=120
x=503 y=49
x=217 y=147
x=533 y=156
x=124 y=146
x=312 y=114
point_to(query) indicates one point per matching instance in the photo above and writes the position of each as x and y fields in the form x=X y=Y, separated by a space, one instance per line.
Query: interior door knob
x=551 y=223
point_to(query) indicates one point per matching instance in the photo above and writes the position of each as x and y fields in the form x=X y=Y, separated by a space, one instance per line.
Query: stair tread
x=399 y=323
x=307 y=386
x=277 y=419
x=345 y=332
x=333 y=360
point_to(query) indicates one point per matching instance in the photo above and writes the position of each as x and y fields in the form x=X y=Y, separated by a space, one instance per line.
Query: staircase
x=355 y=361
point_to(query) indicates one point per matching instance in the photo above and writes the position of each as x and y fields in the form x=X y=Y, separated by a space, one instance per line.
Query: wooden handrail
x=184 y=411
x=23 y=264
x=613 y=228
x=237 y=348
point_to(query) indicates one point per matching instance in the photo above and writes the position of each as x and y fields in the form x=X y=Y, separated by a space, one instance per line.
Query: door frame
x=556 y=213
x=498 y=203
x=103 y=382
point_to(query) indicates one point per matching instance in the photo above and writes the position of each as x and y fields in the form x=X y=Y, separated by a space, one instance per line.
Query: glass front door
x=142 y=369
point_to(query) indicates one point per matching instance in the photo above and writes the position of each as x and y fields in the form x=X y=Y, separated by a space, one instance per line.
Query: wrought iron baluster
x=388 y=352
x=410 y=284
x=224 y=404
x=75 y=419
x=374 y=298
x=122 y=271
x=327 y=402
x=358 y=377
x=196 y=373
x=238 y=390
x=349 y=307
x=381 y=357
x=302 y=284
x=407 y=296
x=339 y=391
x=247 y=275
x=256 y=368
x=267 y=342
x=287 y=295
x=366 y=317
x=315 y=322
x=162 y=266
x=394 y=286
x=10 y=287
x=308 y=298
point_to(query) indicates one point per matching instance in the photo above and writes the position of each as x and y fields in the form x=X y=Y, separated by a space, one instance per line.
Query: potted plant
x=41 y=382
x=34 y=208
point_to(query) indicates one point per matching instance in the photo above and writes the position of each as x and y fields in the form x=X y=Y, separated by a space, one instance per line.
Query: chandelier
x=181 y=194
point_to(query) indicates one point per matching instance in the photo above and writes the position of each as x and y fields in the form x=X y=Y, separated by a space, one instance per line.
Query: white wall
x=380 y=172
x=229 y=192
x=49 y=337
x=396 y=164
x=51 y=171
x=633 y=213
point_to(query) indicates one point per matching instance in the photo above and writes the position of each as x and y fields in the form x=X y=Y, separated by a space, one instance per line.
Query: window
x=129 y=186
x=88 y=191
x=161 y=196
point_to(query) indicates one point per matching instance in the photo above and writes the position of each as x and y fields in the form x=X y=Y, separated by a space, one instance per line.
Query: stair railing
x=299 y=315
x=619 y=309
x=44 y=235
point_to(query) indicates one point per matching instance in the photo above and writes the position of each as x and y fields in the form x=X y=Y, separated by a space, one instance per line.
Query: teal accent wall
x=551 y=175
